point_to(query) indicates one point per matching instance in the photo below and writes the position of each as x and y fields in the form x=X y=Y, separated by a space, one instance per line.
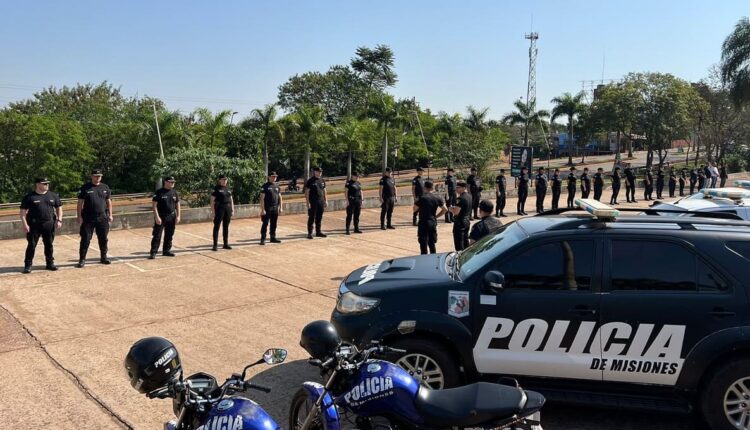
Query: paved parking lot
x=63 y=335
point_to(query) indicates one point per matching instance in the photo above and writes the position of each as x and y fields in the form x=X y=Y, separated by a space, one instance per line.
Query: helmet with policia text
x=320 y=340
x=152 y=363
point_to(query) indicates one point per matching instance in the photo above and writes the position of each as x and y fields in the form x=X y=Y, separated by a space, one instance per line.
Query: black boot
x=26 y=269
x=274 y=240
x=152 y=255
x=51 y=266
x=81 y=263
x=226 y=246
x=215 y=247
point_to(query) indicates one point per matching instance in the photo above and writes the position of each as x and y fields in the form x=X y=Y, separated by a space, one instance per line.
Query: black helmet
x=151 y=363
x=320 y=339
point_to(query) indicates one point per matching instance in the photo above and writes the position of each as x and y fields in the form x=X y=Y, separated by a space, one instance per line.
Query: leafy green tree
x=267 y=122
x=385 y=112
x=349 y=134
x=309 y=123
x=570 y=106
x=375 y=67
x=211 y=127
x=616 y=108
x=524 y=116
x=735 y=62
x=476 y=119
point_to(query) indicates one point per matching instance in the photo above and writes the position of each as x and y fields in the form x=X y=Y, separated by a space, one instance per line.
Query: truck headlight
x=350 y=303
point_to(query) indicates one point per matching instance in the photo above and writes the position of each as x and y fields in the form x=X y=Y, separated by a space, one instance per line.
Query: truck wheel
x=428 y=362
x=725 y=402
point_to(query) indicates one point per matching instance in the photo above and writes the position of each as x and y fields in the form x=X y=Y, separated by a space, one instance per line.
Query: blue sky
x=449 y=54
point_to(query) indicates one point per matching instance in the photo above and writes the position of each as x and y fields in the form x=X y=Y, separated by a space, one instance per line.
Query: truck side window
x=564 y=265
x=652 y=266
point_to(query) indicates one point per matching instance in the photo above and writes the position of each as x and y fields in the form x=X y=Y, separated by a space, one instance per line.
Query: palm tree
x=526 y=116
x=384 y=111
x=266 y=119
x=348 y=132
x=570 y=106
x=309 y=121
x=451 y=126
x=735 y=62
x=211 y=125
x=476 y=119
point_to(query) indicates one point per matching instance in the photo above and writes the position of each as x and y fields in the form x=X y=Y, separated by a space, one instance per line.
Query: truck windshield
x=488 y=248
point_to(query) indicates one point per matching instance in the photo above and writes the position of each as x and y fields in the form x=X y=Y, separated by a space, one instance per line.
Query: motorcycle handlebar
x=250 y=385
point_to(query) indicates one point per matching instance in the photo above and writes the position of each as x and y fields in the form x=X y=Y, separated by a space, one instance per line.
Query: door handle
x=721 y=313
x=582 y=311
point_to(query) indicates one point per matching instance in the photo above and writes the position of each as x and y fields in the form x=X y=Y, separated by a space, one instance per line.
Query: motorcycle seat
x=470 y=405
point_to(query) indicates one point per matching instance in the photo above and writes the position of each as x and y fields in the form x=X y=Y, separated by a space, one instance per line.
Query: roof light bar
x=727 y=193
x=742 y=183
x=597 y=209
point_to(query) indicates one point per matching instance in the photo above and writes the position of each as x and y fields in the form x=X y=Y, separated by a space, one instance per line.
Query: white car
x=729 y=200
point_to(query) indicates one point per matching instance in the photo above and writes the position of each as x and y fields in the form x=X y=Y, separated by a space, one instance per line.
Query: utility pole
x=531 y=86
x=159 y=183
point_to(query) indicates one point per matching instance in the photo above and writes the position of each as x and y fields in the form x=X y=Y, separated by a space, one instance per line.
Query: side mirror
x=274 y=356
x=494 y=281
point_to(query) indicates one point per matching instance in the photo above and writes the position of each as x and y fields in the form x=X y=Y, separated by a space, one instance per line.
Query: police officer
x=522 y=184
x=540 y=188
x=486 y=225
x=430 y=208
x=723 y=175
x=387 y=199
x=683 y=179
x=353 y=194
x=166 y=207
x=450 y=197
x=615 y=185
x=571 y=187
x=475 y=189
x=672 y=182
x=629 y=185
x=222 y=209
x=598 y=184
x=417 y=190
x=271 y=205
x=556 y=188
x=94 y=213
x=693 y=180
x=317 y=201
x=461 y=211
x=659 y=182
x=585 y=183
x=500 y=187
x=41 y=213
x=648 y=184
x=701 y=178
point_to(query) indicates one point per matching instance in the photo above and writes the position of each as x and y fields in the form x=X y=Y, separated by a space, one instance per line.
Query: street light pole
x=158 y=132
x=231 y=119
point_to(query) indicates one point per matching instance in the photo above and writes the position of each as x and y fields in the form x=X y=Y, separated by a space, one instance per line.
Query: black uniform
x=723 y=176
x=693 y=180
x=500 y=194
x=95 y=217
x=450 y=198
x=354 y=198
x=615 y=187
x=461 y=222
x=701 y=180
x=427 y=228
x=271 y=199
x=659 y=183
x=484 y=227
x=541 y=191
x=523 y=192
x=585 y=185
x=418 y=184
x=598 y=186
x=475 y=189
x=648 y=183
x=389 y=200
x=556 y=189
x=41 y=217
x=166 y=206
x=316 y=195
x=571 y=189
x=222 y=212
x=682 y=183
x=672 y=183
x=629 y=185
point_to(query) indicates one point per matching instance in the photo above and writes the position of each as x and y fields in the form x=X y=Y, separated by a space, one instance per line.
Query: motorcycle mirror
x=494 y=281
x=274 y=356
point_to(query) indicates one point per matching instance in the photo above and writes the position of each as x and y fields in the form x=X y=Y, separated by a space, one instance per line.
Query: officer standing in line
x=450 y=189
x=693 y=180
x=428 y=206
x=556 y=188
x=461 y=212
x=683 y=178
x=475 y=189
x=659 y=182
x=723 y=175
x=500 y=186
x=540 y=187
x=522 y=184
x=615 y=185
x=630 y=185
x=417 y=190
x=353 y=194
x=166 y=207
x=598 y=184
x=571 y=187
x=317 y=201
x=486 y=225
x=585 y=183
x=94 y=213
x=701 y=178
x=672 y=182
x=222 y=209
x=387 y=199
x=271 y=205
x=648 y=184
x=41 y=213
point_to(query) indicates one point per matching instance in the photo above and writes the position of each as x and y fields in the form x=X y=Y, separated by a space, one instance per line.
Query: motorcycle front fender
x=330 y=416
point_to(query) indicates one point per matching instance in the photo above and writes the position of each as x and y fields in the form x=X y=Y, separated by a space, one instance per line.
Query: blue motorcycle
x=369 y=394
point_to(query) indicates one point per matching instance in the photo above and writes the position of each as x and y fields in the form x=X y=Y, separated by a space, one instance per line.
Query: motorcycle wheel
x=301 y=406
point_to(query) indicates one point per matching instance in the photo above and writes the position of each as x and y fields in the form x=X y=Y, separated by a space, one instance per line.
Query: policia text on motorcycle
x=222 y=209
x=317 y=201
x=166 y=207
x=388 y=196
x=94 y=213
x=430 y=207
x=270 y=208
x=41 y=214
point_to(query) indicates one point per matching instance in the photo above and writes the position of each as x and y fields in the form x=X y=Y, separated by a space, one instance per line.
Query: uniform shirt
x=354 y=189
x=649 y=178
x=693 y=176
x=556 y=182
x=464 y=203
x=723 y=172
x=428 y=206
x=585 y=181
x=523 y=181
x=222 y=196
x=598 y=180
x=615 y=178
x=659 y=177
x=541 y=181
x=418 y=184
x=40 y=207
x=166 y=201
x=271 y=193
x=672 y=178
x=473 y=184
x=484 y=227
x=500 y=181
x=450 y=183
x=629 y=175
x=389 y=187
x=571 y=181
x=683 y=177
x=94 y=200
x=317 y=187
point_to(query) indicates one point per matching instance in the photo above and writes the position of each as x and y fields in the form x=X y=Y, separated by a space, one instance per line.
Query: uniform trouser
x=500 y=203
x=682 y=188
x=672 y=186
x=692 y=187
x=461 y=233
x=659 y=189
x=585 y=191
x=522 y=194
x=352 y=214
x=222 y=217
x=630 y=192
x=386 y=210
x=723 y=182
x=475 y=199
x=47 y=232
x=571 y=197
x=615 y=193
x=315 y=215
x=450 y=201
x=101 y=226
x=597 y=193
x=555 y=197
x=272 y=217
x=648 y=191
x=713 y=181
x=168 y=224
x=541 y=193
x=415 y=215
x=427 y=236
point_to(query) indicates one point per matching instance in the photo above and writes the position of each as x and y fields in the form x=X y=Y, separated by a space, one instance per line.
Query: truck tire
x=428 y=362
x=725 y=401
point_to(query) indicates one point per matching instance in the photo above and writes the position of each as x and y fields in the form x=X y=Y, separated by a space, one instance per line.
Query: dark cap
x=388 y=169
x=222 y=176
x=428 y=184
x=461 y=184
x=355 y=173
x=41 y=180
x=272 y=173
x=486 y=206
x=317 y=169
x=96 y=172
x=419 y=169
x=169 y=178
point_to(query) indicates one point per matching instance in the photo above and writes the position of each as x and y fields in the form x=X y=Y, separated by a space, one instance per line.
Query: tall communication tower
x=531 y=87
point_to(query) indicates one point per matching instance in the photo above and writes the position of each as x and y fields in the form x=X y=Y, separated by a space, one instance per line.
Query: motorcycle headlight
x=350 y=303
